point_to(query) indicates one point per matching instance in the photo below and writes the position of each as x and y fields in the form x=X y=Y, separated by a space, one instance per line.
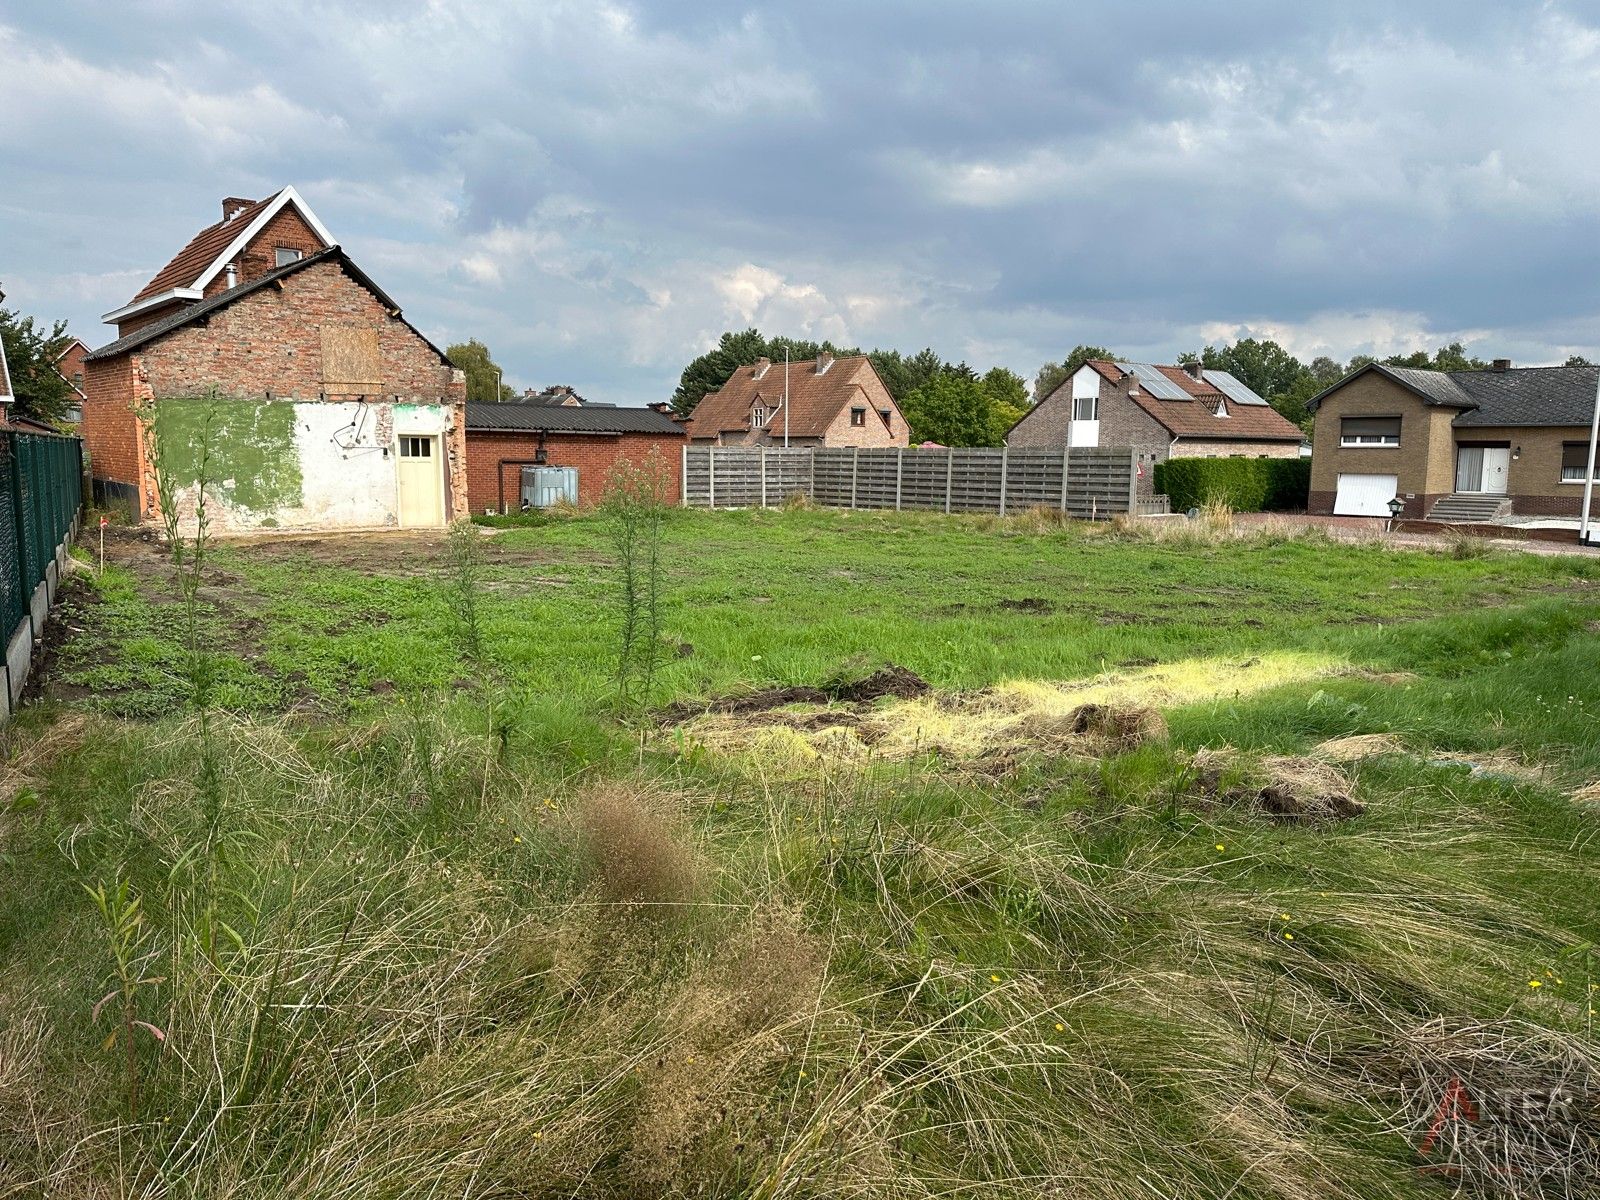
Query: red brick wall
x=109 y=429
x=592 y=454
x=287 y=229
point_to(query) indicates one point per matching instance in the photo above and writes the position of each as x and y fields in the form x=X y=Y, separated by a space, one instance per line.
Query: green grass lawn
x=411 y=925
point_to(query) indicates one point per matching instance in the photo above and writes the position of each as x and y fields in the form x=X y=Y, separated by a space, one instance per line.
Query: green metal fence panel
x=41 y=494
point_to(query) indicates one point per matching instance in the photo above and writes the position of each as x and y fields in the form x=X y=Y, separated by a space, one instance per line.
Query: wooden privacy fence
x=1087 y=483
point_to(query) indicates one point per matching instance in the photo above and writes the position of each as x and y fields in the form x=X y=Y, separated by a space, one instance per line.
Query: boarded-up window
x=350 y=362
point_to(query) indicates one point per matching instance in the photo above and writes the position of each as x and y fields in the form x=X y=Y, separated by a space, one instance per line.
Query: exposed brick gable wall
x=592 y=454
x=270 y=341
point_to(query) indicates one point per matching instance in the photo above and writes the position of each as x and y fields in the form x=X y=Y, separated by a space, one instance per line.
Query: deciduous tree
x=31 y=353
x=485 y=381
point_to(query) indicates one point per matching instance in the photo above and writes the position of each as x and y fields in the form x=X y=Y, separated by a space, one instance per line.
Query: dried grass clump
x=1503 y=1106
x=1358 y=746
x=1588 y=794
x=634 y=849
x=1285 y=788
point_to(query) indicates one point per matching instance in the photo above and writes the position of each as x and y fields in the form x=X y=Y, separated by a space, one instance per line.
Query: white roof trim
x=138 y=306
x=286 y=197
x=196 y=291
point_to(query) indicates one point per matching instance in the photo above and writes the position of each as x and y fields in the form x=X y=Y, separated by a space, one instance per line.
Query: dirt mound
x=1028 y=604
x=1286 y=789
x=1118 y=726
x=890 y=681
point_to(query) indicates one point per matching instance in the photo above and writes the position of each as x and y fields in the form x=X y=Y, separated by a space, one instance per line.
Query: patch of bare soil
x=1288 y=789
x=891 y=681
x=1028 y=604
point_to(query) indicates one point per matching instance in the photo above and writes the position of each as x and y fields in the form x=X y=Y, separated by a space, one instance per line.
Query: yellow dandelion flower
x=690 y=1060
x=802 y=1074
x=1288 y=937
x=1220 y=846
x=1534 y=983
x=994 y=979
x=1060 y=1028
x=516 y=837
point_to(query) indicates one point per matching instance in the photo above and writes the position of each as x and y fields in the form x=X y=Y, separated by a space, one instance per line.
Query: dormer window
x=760 y=416
x=287 y=255
x=1222 y=408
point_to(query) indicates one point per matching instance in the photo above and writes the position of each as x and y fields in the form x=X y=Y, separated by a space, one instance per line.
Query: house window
x=760 y=416
x=1086 y=408
x=885 y=415
x=416 y=447
x=1574 y=459
x=1369 y=431
x=286 y=255
x=858 y=416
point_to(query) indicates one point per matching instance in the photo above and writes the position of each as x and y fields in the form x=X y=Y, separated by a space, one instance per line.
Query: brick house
x=1454 y=445
x=502 y=439
x=336 y=412
x=1161 y=411
x=831 y=402
x=70 y=366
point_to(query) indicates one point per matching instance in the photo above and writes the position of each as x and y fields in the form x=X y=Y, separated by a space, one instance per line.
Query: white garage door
x=1364 y=495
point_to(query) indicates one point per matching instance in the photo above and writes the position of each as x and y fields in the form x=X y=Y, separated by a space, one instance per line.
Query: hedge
x=1245 y=484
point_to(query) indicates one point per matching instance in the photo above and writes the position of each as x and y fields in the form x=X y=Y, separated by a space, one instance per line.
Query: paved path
x=1371 y=529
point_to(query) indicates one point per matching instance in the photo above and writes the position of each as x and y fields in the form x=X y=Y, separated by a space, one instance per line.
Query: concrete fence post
x=711 y=477
x=1004 y=462
x=1133 y=483
x=949 y=477
x=763 y=477
x=683 y=476
x=855 y=465
x=899 y=473
x=1066 y=458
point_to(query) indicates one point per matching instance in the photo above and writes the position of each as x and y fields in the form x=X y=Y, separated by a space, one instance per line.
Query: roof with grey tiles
x=1519 y=396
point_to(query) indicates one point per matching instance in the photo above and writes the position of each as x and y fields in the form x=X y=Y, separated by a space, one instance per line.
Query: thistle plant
x=635 y=507
x=465 y=586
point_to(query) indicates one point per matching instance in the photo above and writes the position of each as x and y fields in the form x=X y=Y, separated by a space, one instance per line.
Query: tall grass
x=635 y=508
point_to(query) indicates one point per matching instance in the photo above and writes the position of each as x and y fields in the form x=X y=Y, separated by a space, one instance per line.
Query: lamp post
x=1396 y=507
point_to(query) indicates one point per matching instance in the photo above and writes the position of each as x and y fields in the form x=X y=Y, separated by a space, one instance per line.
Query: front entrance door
x=421 y=482
x=1482 y=469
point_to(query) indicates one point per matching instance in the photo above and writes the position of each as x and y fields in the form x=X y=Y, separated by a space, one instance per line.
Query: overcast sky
x=599 y=190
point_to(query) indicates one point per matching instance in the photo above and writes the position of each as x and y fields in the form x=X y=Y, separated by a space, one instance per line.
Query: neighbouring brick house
x=1454 y=445
x=1161 y=411
x=335 y=411
x=70 y=366
x=831 y=402
x=590 y=439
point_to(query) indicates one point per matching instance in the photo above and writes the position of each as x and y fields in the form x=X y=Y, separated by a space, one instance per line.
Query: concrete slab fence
x=1092 y=484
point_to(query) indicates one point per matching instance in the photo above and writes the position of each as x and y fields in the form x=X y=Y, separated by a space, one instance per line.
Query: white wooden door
x=1496 y=465
x=420 y=479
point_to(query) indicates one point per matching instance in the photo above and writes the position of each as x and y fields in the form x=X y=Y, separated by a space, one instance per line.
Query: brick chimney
x=1194 y=369
x=763 y=365
x=1500 y=364
x=233 y=206
x=824 y=361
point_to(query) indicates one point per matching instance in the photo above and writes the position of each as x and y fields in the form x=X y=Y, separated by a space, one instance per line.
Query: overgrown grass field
x=406 y=922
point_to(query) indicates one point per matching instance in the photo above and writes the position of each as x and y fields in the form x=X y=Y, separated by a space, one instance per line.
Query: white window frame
x=760 y=416
x=278 y=253
x=1094 y=408
x=1577 y=472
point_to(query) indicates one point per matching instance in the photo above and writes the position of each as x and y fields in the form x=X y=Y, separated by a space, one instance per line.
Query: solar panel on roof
x=1231 y=387
x=1154 y=382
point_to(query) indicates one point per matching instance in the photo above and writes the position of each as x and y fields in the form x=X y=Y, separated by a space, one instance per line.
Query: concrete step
x=1468 y=508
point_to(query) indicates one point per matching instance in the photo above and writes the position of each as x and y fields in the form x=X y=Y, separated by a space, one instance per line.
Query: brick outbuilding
x=322 y=407
x=504 y=438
